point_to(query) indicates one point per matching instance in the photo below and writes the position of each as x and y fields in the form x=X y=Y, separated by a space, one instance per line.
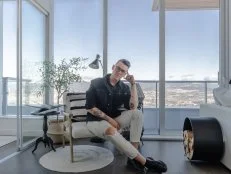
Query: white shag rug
x=6 y=140
x=86 y=158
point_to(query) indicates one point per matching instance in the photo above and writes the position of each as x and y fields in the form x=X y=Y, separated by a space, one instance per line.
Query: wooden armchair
x=75 y=118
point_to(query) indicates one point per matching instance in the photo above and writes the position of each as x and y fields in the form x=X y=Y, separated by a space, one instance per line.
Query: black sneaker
x=155 y=166
x=133 y=164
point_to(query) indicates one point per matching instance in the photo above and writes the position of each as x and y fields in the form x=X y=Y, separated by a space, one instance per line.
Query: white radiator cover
x=32 y=126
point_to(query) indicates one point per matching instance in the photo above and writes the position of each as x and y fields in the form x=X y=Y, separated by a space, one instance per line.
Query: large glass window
x=1 y=51
x=9 y=38
x=133 y=34
x=33 y=52
x=192 y=62
x=192 y=51
x=78 y=32
x=9 y=94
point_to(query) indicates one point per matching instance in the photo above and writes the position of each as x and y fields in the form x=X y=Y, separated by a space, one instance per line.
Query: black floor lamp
x=95 y=65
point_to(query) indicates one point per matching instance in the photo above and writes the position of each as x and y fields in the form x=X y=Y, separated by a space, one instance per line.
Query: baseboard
x=161 y=138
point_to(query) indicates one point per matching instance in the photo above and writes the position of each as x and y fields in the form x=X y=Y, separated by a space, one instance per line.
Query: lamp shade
x=95 y=63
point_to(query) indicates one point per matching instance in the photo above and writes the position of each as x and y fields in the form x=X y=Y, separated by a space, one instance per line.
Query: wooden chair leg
x=63 y=137
x=71 y=150
x=71 y=144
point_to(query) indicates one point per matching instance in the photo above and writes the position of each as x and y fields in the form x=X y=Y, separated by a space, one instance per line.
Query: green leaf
x=60 y=76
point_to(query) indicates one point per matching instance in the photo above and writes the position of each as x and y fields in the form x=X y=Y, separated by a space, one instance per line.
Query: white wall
x=225 y=43
x=31 y=126
x=46 y=4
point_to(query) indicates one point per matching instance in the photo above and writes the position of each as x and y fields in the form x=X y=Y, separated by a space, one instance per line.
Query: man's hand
x=114 y=123
x=130 y=79
x=134 y=98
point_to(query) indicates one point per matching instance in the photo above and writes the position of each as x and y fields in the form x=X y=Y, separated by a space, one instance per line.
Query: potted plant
x=59 y=77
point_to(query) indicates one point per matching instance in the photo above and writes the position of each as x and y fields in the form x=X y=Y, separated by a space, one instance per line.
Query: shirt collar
x=107 y=80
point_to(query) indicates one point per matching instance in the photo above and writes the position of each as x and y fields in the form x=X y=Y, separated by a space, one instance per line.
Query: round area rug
x=86 y=158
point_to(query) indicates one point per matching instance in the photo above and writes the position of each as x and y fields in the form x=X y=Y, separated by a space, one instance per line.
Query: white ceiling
x=186 y=4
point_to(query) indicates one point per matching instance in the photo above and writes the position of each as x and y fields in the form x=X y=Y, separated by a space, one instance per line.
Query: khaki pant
x=130 y=118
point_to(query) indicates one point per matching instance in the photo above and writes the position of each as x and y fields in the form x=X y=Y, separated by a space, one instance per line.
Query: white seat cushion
x=80 y=130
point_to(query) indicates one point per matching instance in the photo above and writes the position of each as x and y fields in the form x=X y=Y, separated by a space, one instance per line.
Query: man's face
x=119 y=70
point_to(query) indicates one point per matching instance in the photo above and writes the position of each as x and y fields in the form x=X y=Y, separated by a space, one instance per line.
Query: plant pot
x=55 y=131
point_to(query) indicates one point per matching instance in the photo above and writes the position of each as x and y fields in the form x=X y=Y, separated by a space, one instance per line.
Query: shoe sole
x=133 y=167
x=160 y=166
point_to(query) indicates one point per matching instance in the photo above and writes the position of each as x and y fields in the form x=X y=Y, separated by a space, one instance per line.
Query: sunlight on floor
x=6 y=140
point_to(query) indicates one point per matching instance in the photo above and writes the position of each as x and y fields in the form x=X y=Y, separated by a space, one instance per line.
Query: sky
x=33 y=30
x=192 y=38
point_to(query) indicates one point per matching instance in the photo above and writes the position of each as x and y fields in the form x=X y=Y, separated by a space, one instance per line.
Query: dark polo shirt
x=107 y=98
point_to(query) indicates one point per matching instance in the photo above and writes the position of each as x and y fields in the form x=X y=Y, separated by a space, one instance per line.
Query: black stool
x=45 y=139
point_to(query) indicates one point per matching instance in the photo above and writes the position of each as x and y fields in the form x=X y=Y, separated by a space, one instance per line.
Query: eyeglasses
x=118 y=69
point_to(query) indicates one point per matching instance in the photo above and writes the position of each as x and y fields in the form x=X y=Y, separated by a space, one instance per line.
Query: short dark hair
x=125 y=62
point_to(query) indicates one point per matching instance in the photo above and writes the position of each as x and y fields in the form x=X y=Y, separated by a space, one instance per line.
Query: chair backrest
x=140 y=95
x=74 y=103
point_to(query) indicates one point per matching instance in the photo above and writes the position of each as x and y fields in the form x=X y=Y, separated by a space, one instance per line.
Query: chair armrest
x=67 y=120
x=68 y=125
x=79 y=119
x=67 y=116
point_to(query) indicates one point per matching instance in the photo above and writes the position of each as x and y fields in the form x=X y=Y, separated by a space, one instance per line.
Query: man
x=112 y=105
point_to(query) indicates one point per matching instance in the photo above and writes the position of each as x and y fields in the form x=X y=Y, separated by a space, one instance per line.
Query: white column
x=162 y=66
x=105 y=36
x=49 y=98
x=19 y=74
x=224 y=63
x=229 y=48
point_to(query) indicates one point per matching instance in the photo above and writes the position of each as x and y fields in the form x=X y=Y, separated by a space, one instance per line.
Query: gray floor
x=169 y=151
x=10 y=148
